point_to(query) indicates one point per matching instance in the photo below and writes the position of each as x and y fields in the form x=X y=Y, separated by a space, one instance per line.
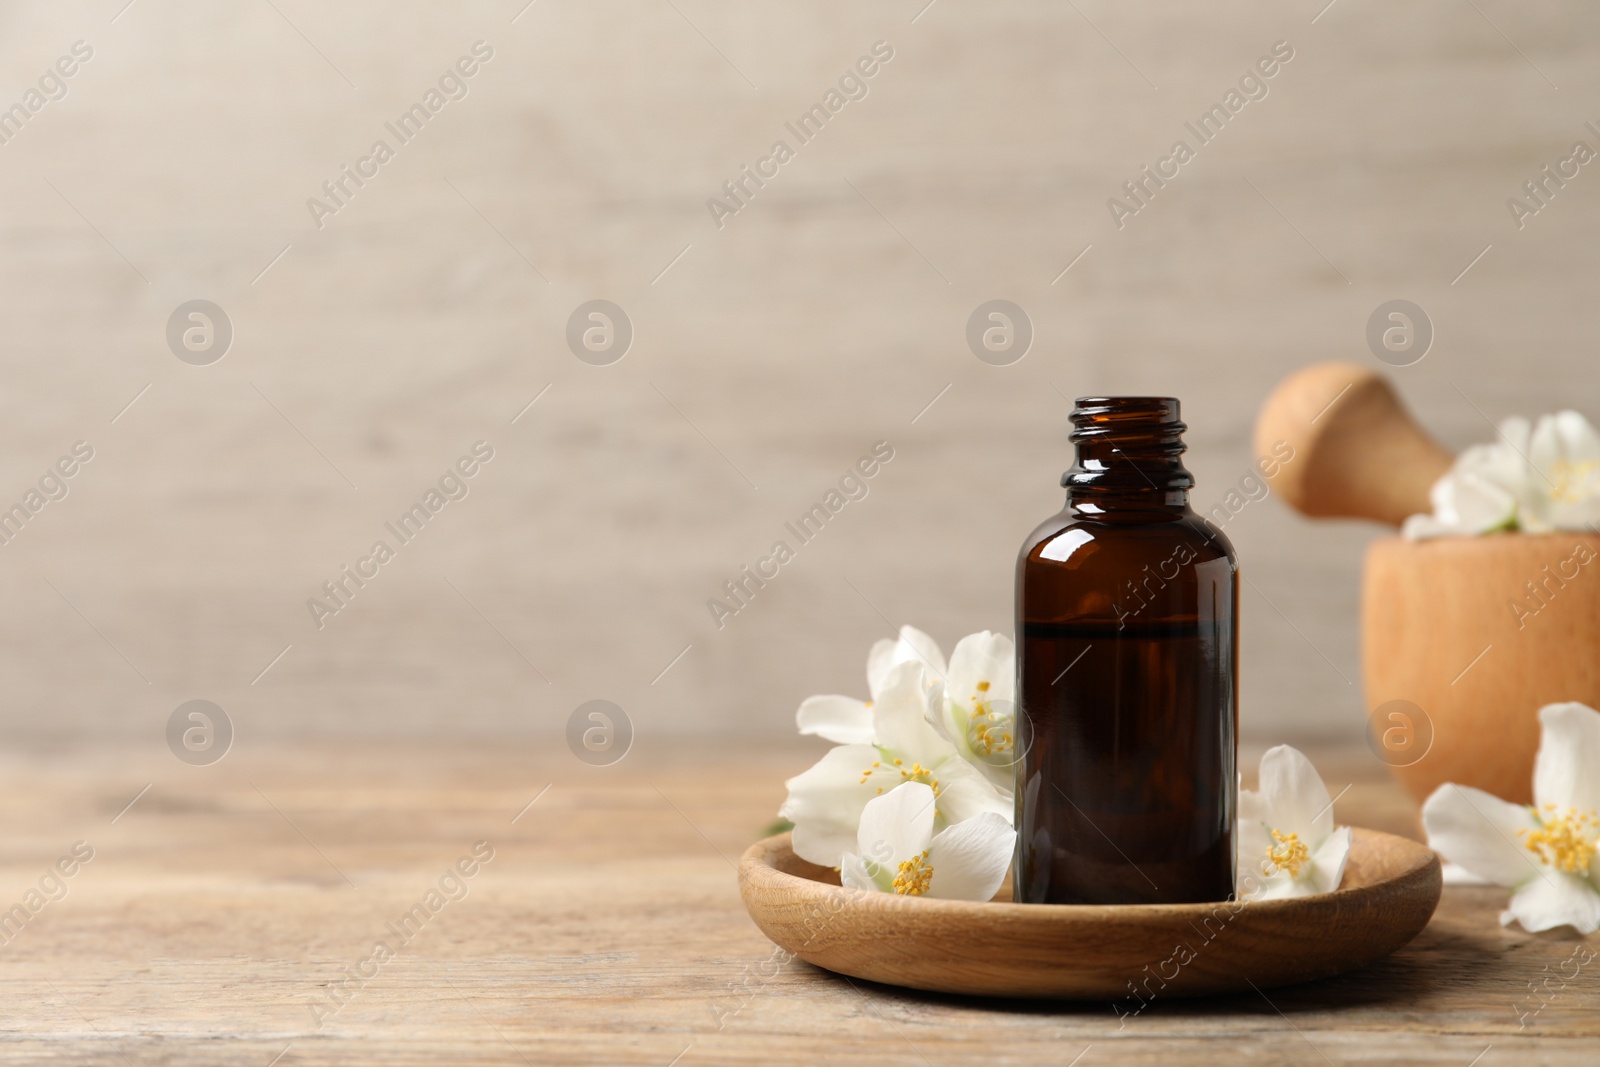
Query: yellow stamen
x=983 y=686
x=985 y=731
x=917 y=773
x=1565 y=840
x=915 y=874
x=1289 y=854
x=1574 y=482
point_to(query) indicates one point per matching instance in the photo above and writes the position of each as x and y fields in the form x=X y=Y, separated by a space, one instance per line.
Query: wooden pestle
x=1357 y=452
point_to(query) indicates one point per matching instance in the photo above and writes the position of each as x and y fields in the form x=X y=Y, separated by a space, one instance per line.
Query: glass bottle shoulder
x=1071 y=539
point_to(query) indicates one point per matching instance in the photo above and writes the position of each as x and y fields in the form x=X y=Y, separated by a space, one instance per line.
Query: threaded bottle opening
x=1128 y=448
x=1130 y=417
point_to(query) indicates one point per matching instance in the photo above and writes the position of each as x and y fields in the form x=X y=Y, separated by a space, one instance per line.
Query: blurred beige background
x=768 y=354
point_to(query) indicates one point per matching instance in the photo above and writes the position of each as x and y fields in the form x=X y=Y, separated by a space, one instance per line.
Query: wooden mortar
x=1441 y=623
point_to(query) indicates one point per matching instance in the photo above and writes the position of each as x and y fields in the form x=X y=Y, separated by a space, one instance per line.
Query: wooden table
x=229 y=915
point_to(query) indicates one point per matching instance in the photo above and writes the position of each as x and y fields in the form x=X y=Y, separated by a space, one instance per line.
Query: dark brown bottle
x=1128 y=635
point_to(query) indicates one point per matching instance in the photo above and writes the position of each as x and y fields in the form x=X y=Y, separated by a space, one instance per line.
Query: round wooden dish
x=1391 y=886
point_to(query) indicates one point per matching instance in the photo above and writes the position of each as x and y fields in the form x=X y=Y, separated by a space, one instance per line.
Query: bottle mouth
x=1101 y=417
x=1128 y=446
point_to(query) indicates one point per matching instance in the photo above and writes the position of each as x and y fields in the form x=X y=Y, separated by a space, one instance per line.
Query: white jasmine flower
x=1288 y=845
x=848 y=721
x=1546 y=852
x=825 y=803
x=977 y=714
x=900 y=853
x=1465 y=504
x=1535 y=478
x=1564 y=493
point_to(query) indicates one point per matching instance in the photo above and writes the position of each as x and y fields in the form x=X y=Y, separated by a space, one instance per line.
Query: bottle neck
x=1127 y=465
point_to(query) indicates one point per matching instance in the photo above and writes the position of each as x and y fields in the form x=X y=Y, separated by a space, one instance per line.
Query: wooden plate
x=1093 y=952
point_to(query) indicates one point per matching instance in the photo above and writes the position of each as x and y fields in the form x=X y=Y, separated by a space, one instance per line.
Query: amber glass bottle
x=1128 y=634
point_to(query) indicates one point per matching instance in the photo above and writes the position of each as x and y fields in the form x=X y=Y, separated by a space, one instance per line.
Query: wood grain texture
x=998 y=948
x=1479 y=633
x=607 y=929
